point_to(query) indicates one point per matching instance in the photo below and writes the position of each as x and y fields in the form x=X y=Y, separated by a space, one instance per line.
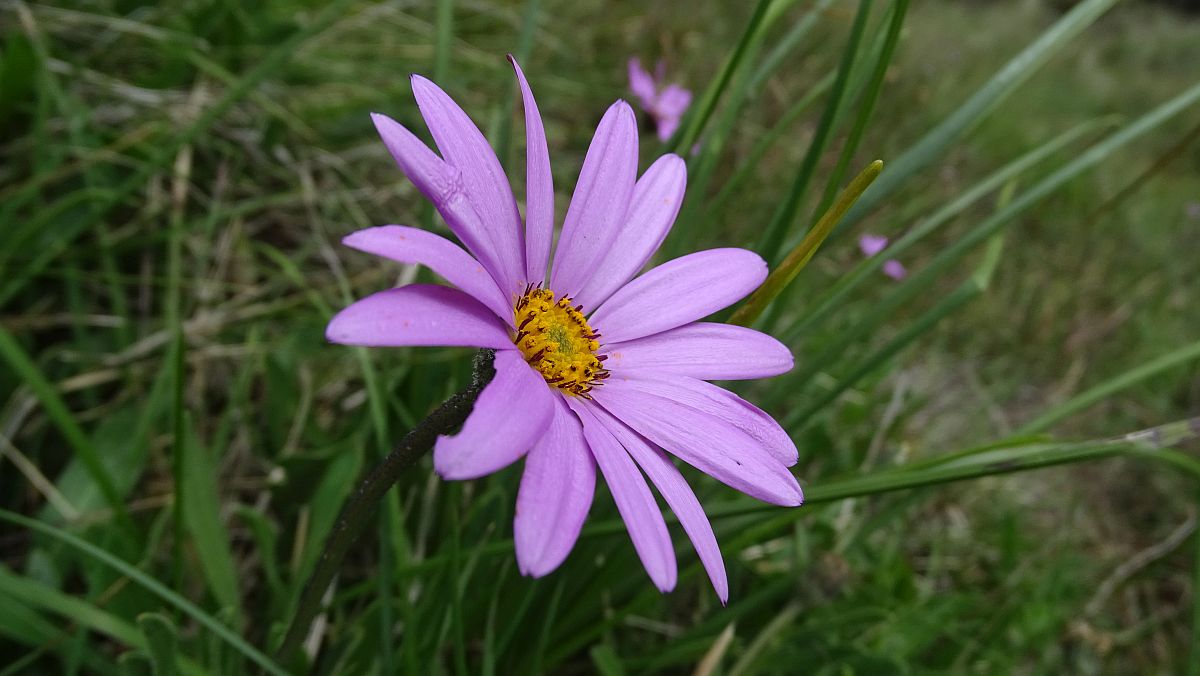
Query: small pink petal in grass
x=602 y=368
x=895 y=270
x=872 y=244
x=664 y=103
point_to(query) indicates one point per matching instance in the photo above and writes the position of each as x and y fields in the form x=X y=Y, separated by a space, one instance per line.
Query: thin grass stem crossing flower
x=596 y=366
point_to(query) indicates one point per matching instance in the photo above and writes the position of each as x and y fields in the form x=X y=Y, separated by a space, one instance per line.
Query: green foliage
x=177 y=438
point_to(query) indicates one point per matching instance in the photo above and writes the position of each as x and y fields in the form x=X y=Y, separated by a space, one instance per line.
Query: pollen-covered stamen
x=557 y=342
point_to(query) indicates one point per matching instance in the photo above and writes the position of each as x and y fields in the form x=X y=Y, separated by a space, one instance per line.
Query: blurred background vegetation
x=175 y=178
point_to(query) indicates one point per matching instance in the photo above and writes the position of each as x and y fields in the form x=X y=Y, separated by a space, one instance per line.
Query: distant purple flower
x=561 y=398
x=895 y=270
x=666 y=105
x=871 y=245
x=1193 y=209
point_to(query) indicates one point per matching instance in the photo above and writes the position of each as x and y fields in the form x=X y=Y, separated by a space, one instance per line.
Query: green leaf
x=162 y=642
x=60 y=415
x=74 y=609
x=606 y=661
x=202 y=516
x=149 y=584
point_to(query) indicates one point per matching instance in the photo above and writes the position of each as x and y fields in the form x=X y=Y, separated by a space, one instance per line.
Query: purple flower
x=871 y=245
x=666 y=105
x=601 y=367
x=895 y=270
x=1193 y=209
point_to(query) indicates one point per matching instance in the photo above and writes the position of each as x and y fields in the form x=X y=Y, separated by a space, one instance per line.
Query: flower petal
x=673 y=101
x=510 y=416
x=539 y=187
x=679 y=496
x=655 y=204
x=678 y=292
x=636 y=504
x=441 y=184
x=711 y=445
x=600 y=201
x=894 y=269
x=421 y=247
x=418 y=314
x=641 y=83
x=556 y=492
x=723 y=405
x=465 y=148
x=872 y=244
x=703 y=350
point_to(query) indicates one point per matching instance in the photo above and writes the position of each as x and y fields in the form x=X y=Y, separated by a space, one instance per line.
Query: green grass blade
x=701 y=110
x=768 y=141
x=965 y=293
x=927 y=275
x=1194 y=651
x=980 y=104
x=1166 y=362
x=70 y=608
x=827 y=304
x=865 y=110
x=777 y=230
x=149 y=584
x=162 y=642
x=56 y=409
x=108 y=200
x=787 y=45
x=798 y=257
x=201 y=511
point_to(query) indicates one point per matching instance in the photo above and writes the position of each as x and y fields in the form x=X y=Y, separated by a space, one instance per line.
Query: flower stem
x=359 y=508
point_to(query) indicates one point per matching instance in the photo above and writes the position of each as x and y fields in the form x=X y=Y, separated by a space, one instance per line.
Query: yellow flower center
x=557 y=342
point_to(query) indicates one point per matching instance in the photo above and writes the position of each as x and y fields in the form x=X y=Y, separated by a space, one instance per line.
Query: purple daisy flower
x=666 y=105
x=599 y=367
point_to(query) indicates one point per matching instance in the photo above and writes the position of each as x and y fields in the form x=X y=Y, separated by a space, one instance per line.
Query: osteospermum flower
x=595 y=366
x=665 y=104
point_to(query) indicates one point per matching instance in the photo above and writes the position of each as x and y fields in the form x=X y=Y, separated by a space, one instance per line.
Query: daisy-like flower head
x=665 y=104
x=596 y=366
